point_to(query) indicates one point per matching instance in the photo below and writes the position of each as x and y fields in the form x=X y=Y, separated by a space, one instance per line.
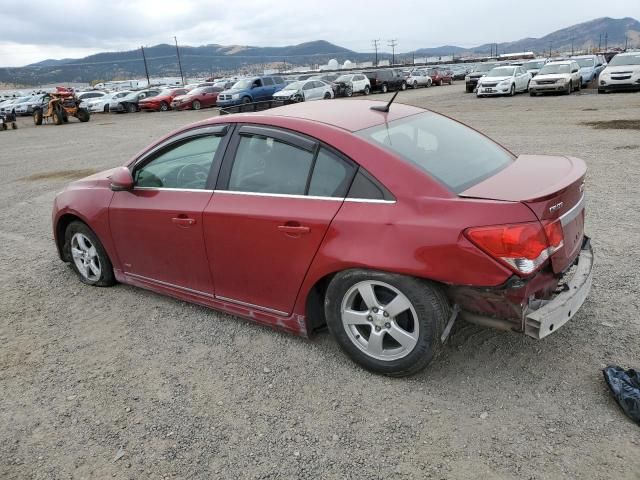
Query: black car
x=480 y=70
x=386 y=79
x=129 y=104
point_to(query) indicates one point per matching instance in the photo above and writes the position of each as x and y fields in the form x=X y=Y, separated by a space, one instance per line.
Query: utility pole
x=606 y=39
x=626 y=42
x=179 y=62
x=393 y=43
x=600 y=44
x=146 y=69
x=549 y=49
x=572 y=46
x=375 y=47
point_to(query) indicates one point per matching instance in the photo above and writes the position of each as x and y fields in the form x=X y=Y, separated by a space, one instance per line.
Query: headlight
x=505 y=82
x=467 y=78
x=235 y=96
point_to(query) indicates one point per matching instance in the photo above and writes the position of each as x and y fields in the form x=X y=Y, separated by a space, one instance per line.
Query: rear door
x=276 y=196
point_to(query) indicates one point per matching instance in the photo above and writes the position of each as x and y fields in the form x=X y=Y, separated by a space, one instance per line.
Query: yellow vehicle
x=58 y=107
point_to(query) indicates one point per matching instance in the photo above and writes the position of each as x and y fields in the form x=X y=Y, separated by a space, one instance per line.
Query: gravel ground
x=123 y=383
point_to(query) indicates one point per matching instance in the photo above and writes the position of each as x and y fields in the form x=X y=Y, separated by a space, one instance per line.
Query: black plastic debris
x=625 y=387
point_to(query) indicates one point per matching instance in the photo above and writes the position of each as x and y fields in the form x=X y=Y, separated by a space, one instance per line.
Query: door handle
x=183 y=221
x=294 y=229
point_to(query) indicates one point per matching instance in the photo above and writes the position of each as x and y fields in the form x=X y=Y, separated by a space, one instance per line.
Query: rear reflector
x=524 y=247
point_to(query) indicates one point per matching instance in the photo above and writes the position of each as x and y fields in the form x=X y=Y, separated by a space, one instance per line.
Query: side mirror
x=598 y=64
x=121 y=180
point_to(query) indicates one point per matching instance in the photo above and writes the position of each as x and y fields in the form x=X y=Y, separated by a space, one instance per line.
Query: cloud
x=41 y=29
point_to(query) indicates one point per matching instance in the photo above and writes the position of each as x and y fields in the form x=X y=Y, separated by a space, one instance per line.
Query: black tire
x=415 y=84
x=107 y=277
x=131 y=108
x=106 y=109
x=83 y=115
x=196 y=105
x=348 y=92
x=512 y=91
x=4 y=126
x=602 y=90
x=327 y=96
x=298 y=98
x=14 y=126
x=403 y=86
x=367 y=90
x=384 y=88
x=569 y=88
x=428 y=301
x=164 y=106
x=246 y=100
x=57 y=116
x=468 y=89
x=37 y=117
x=532 y=94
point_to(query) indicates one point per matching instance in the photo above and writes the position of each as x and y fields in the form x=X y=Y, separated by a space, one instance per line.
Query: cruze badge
x=555 y=207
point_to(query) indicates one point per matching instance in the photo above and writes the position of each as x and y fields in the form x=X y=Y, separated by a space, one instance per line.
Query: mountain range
x=214 y=59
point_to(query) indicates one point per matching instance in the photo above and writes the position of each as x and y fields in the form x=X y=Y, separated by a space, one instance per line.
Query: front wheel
x=164 y=106
x=196 y=105
x=403 y=86
x=348 y=92
x=37 y=117
x=415 y=85
x=384 y=88
x=569 y=88
x=83 y=115
x=131 y=108
x=512 y=91
x=390 y=324
x=327 y=96
x=367 y=90
x=87 y=255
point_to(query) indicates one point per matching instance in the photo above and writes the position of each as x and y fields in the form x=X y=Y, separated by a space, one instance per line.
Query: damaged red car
x=162 y=101
x=385 y=223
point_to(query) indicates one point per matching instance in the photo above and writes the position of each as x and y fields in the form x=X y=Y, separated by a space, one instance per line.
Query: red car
x=197 y=98
x=385 y=226
x=162 y=101
x=438 y=77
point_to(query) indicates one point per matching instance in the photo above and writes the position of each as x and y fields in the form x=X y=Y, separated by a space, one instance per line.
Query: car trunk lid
x=552 y=187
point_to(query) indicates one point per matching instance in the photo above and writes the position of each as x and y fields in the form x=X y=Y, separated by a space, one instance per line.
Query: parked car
x=327 y=77
x=162 y=101
x=348 y=84
x=480 y=70
x=129 y=103
x=504 y=81
x=556 y=77
x=197 y=98
x=102 y=104
x=419 y=78
x=25 y=105
x=248 y=90
x=440 y=77
x=304 y=91
x=459 y=72
x=534 y=66
x=622 y=73
x=589 y=68
x=385 y=80
x=84 y=96
x=273 y=220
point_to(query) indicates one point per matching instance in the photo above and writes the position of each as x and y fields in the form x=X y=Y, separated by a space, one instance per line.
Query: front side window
x=268 y=81
x=266 y=165
x=456 y=155
x=185 y=165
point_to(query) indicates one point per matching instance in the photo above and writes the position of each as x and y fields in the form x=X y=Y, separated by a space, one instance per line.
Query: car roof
x=560 y=62
x=351 y=115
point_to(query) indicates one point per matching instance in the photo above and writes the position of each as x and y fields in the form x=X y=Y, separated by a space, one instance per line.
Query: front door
x=157 y=227
x=268 y=216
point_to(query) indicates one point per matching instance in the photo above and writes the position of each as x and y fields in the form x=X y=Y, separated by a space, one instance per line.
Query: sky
x=40 y=29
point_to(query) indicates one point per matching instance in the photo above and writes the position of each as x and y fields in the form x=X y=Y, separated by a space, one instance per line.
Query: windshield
x=197 y=91
x=585 y=62
x=557 y=68
x=242 y=84
x=532 y=65
x=625 y=60
x=484 y=67
x=293 y=86
x=456 y=155
x=501 y=72
x=344 y=78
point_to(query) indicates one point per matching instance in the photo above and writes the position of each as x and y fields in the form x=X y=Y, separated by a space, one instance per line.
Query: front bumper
x=493 y=91
x=618 y=86
x=550 y=88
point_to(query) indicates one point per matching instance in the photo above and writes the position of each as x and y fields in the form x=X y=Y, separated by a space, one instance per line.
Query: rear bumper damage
x=536 y=307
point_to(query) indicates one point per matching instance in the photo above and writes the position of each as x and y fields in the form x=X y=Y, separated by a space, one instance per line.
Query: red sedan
x=385 y=226
x=162 y=101
x=439 y=77
x=197 y=98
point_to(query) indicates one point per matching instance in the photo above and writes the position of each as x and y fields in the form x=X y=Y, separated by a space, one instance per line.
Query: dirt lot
x=187 y=392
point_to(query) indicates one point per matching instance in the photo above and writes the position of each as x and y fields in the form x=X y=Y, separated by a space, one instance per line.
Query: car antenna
x=385 y=109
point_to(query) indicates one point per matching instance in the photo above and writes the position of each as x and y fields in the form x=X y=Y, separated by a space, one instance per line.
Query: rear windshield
x=456 y=155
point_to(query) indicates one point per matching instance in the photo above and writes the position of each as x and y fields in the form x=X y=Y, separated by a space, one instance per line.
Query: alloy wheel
x=85 y=257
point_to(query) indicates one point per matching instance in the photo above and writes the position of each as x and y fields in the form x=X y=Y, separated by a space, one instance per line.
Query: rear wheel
x=384 y=88
x=196 y=105
x=58 y=118
x=512 y=91
x=164 y=106
x=388 y=323
x=131 y=108
x=327 y=96
x=403 y=86
x=37 y=117
x=246 y=100
x=87 y=256
x=349 y=92
x=532 y=93
x=569 y=88
x=367 y=90
x=415 y=84
x=83 y=115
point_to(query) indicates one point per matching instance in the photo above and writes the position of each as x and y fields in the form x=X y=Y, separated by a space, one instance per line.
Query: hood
x=97 y=179
x=553 y=76
x=495 y=79
x=621 y=69
x=232 y=91
x=285 y=93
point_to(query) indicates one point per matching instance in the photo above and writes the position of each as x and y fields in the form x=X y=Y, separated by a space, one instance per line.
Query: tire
x=37 y=117
x=419 y=324
x=327 y=96
x=196 y=105
x=131 y=108
x=384 y=88
x=367 y=90
x=532 y=94
x=58 y=119
x=14 y=126
x=246 y=100
x=106 y=109
x=602 y=90
x=468 y=89
x=348 y=92
x=403 y=87
x=439 y=83
x=83 y=115
x=527 y=89
x=4 y=126
x=579 y=86
x=77 y=237
x=569 y=88
x=512 y=91
x=298 y=98
x=415 y=85
x=164 y=106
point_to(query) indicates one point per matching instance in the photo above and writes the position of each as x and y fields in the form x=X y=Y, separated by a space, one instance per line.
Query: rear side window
x=331 y=175
x=267 y=165
x=456 y=155
x=278 y=80
x=268 y=81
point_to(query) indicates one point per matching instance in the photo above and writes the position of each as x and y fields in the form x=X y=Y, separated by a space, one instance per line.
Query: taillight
x=522 y=246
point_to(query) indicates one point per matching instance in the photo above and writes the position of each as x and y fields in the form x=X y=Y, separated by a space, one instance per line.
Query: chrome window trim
x=252 y=305
x=174 y=189
x=369 y=200
x=571 y=214
x=308 y=197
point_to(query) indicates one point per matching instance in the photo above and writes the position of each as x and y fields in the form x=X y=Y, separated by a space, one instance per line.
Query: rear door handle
x=183 y=221
x=294 y=229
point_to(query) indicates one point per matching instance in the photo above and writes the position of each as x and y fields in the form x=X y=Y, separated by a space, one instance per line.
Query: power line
x=392 y=43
